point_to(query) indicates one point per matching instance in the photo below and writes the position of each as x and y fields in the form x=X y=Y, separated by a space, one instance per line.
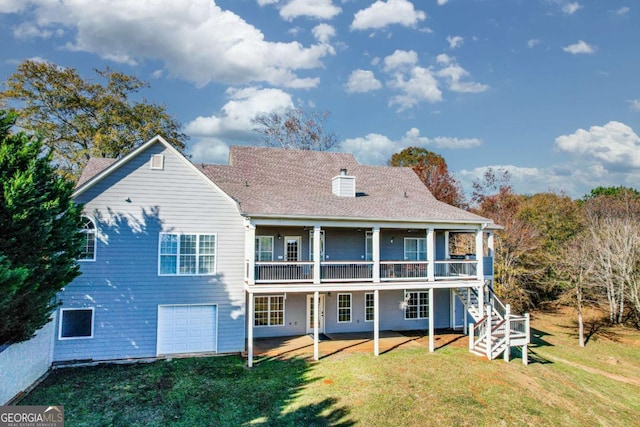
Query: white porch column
x=250 y=331
x=431 y=254
x=376 y=322
x=480 y=253
x=250 y=253
x=375 y=253
x=431 y=322
x=316 y=322
x=316 y=254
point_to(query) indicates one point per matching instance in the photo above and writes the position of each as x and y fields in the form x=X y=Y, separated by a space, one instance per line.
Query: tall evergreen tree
x=40 y=239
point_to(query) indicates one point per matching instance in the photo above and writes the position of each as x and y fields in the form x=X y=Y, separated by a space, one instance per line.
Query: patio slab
x=361 y=342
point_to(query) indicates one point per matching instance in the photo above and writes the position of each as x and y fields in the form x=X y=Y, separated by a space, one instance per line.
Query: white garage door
x=186 y=328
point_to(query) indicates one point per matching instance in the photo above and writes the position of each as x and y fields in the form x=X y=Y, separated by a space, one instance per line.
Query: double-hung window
x=344 y=308
x=368 y=307
x=264 y=248
x=417 y=305
x=269 y=310
x=187 y=254
x=415 y=249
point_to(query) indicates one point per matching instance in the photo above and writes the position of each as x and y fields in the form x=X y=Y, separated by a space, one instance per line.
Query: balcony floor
x=357 y=342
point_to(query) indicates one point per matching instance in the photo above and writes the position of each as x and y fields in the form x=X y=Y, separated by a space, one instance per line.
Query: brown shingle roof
x=271 y=182
x=94 y=167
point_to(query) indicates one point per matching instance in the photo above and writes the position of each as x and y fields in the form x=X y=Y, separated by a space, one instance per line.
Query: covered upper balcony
x=316 y=254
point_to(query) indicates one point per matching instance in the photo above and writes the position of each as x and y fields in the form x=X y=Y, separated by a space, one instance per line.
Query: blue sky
x=548 y=89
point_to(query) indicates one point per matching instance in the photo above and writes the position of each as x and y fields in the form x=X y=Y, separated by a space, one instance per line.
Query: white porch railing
x=456 y=269
x=362 y=271
x=283 y=271
x=401 y=270
x=340 y=271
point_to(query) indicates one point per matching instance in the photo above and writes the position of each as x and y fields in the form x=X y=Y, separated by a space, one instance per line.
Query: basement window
x=76 y=323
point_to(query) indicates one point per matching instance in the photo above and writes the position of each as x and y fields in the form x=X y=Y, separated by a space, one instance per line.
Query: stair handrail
x=498 y=305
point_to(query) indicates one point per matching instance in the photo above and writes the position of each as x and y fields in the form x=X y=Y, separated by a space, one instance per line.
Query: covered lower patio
x=302 y=346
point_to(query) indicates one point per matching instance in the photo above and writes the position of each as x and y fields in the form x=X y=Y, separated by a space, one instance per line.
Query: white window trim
x=350 y=308
x=272 y=246
x=404 y=248
x=268 y=325
x=406 y=293
x=93 y=318
x=95 y=238
x=365 y=306
x=299 y=240
x=177 y=273
x=153 y=162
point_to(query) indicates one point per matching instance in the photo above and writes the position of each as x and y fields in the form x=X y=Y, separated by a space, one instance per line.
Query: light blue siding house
x=185 y=258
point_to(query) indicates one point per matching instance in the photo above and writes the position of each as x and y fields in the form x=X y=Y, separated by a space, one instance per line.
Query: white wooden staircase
x=495 y=330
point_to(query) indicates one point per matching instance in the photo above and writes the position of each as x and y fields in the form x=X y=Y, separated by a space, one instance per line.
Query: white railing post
x=489 y=348
x=507 y=333
x=375 y=255
x=316 y=254
x=472 y=336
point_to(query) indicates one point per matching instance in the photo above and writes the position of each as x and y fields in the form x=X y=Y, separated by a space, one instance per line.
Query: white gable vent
x=344 y=185
x=157 y=161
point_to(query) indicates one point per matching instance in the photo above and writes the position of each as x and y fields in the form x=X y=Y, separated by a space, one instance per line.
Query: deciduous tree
x=433 y=172
x=295 y=128
x=79 y=118
x=40 y=238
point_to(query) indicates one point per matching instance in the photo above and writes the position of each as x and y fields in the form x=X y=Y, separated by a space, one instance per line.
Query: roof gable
x=93 y=175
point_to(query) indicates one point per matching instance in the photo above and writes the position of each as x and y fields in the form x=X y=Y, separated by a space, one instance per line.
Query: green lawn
x=564 y=385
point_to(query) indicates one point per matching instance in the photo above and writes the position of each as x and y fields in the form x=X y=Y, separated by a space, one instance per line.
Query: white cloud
x=376 y=149
x=29 y=30
x=201 y=42
x=400 y=59
x=317 y=9
x=382 y=14
x=454 y=75
x=623 y=10
x=233 y=123
x=413 y=138
x=415 y=86
x=323 y=32
x=571 y=8
x=266 y=2
x=442 y=2
x=455 y=41
x=533 y=43
x=580 y=47
x=635 y=104
x=416 y=83
x=615 y=144
x=361 y=81
x=13 y=6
